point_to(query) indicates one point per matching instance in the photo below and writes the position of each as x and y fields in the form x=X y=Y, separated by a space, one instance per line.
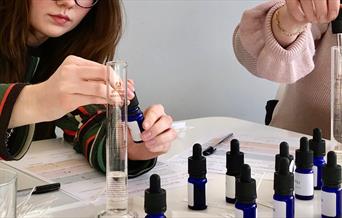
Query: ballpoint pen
x=211 y=149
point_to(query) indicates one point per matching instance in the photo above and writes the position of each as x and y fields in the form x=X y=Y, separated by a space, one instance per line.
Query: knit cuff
x=16 y=146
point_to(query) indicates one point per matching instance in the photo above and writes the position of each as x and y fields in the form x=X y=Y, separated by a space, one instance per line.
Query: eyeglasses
x=86 y=3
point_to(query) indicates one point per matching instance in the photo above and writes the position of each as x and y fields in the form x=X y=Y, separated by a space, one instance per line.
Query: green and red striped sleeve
x=85 y=128
x=12 y=146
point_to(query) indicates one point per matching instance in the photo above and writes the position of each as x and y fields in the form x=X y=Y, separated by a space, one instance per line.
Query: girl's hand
x=313 y=11
x=157 y=136
x=75 y=83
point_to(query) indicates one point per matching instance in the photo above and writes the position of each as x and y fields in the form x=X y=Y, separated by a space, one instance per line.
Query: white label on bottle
x=238 y=213
x=279 y=209
x=328 y=204
x=190 y=194
x=135 y=131
x=304 y=184
x=230 y=186
x=315 y=175
x=292 y=166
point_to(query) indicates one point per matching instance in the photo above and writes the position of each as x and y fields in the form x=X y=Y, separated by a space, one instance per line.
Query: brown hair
x=95 y=38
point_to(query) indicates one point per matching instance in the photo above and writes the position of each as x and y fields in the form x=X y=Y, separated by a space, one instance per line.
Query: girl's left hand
x=157 y=136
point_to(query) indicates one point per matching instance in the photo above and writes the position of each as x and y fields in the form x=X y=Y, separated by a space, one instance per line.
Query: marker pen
x=283 y=199
x=234 y=161
x=197 y=170
x=245 y=206
x=331 y=191
x=317 y=145
x=304 y=189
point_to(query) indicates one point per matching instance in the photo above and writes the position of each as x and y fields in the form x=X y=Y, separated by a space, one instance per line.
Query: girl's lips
x=60 y=19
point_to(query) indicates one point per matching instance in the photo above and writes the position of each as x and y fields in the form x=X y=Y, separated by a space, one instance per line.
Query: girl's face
x=53 y=18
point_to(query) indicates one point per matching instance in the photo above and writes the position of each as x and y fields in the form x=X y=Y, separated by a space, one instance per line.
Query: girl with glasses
x=52 y=74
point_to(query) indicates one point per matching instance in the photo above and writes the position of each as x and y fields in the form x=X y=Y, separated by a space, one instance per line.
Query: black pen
x=211 y=149
x=40 y=189
x=46 y=188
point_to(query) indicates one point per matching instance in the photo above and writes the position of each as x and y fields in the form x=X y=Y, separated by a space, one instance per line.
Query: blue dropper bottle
x=317 y=145
x=245 y=205
x=283 y=204
x=234 y=161
x=197 y=170
x=155 y=199
x=331 y=200
x=135 y=119
x=304 y=174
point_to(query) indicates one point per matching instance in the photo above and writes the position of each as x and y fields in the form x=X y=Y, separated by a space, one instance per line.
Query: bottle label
x=315 y=175
x=230 y=186
x=304 y=184
x=279 y=209
x=190 y=194
x=135 y=131
x=292 y=166
x=238 y=213
x=328 y=204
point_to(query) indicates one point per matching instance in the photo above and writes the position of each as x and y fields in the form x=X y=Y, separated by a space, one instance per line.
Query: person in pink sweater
x=289 y=42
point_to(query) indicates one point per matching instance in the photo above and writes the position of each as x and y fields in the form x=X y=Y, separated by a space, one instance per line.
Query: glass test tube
x=116 y=141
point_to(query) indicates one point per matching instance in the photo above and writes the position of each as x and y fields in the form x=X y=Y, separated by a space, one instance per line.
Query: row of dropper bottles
x=241 y=188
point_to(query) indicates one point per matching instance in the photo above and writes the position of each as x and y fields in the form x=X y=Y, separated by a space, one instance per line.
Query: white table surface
x=197 y=130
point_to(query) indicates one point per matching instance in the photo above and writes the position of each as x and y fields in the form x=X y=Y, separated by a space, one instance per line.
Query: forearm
x=26 y=108
x=285 y=29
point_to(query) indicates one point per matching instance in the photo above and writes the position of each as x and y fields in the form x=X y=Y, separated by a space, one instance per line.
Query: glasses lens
x=86 y=3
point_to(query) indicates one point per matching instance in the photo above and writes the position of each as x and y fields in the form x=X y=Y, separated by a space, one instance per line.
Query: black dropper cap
x=336 y=25
x=197 y=166
x=133 y=103
x=234 y=158
x=283 y=178
x=317 y=144
x=331 y=174
x=283 y=153
x=245 y=186
x=155 y=197
x=304 y=156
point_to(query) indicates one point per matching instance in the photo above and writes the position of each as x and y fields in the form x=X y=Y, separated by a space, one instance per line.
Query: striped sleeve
x=13 y=143
x=85 y=128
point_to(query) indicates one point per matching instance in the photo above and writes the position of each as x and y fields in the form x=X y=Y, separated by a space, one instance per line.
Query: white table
x=197 y=130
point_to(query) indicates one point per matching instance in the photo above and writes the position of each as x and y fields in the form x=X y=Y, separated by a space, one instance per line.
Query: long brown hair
x=95 y=38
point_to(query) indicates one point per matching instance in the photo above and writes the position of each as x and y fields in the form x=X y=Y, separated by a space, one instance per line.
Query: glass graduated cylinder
x=336 y=92
x=116 y=141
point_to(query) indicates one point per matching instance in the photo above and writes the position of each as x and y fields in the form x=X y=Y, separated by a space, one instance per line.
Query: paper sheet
x=69 y=168
x=260 y=156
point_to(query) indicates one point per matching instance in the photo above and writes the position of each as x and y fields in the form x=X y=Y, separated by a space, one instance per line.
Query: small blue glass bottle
x=331 y=190
x=197 y=170
x=317 y=145
x=245 y=206
x=155 y=199
x=283 y=199
x=234 y=161
x=135 y=119
x=304 y=189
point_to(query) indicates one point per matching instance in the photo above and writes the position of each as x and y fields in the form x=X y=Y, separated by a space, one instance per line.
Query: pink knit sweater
x=304 y=67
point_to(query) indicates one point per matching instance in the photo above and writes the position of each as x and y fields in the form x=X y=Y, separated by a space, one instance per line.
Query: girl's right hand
x=75 y=83
x=313 y=11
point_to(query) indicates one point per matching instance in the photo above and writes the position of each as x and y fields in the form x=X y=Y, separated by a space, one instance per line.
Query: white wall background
x=180 y=54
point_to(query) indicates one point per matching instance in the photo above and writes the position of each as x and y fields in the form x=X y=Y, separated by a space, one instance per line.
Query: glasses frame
x=94 y=3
